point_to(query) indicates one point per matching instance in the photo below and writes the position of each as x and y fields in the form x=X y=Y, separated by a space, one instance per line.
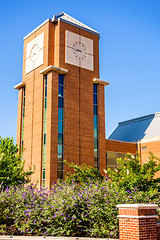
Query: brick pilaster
x=137 y=221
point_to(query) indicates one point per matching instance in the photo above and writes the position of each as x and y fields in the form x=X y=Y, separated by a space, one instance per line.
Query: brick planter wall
x=137 y=221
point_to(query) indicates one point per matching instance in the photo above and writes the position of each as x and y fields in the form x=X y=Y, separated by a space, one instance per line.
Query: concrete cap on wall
x=138 y=206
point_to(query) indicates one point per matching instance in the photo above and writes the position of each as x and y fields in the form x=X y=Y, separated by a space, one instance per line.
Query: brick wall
x=119 y=146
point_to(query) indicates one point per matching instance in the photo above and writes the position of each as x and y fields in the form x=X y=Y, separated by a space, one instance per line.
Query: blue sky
x=129 y=53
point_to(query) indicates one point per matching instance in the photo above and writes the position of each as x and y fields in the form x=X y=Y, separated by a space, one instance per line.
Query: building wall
x=147 y=146
x=121 y=147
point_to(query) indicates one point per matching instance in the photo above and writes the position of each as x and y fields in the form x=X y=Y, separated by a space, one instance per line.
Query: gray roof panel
x=145 y=127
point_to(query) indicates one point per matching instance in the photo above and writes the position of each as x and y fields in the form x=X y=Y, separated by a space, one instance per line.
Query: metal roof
x=64 y=17
x=145 y=127
x=67 y=18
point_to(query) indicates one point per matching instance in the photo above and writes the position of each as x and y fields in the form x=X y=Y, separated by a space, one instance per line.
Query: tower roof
x=145 y=127
x=67 y=18
x=64 y=17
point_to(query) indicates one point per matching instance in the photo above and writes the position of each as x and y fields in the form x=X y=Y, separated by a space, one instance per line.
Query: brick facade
x=78 y=137
x=119 y=146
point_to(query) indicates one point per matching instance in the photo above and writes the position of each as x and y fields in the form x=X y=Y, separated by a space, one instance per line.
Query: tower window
x=60 y=126
x=44 y=132
x=95 y=124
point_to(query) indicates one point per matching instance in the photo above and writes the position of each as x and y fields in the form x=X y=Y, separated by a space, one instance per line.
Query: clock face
x=80 y=51
x=34 y=53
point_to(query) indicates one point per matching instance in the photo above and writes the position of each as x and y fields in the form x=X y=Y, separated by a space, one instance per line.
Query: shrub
x=68 y=210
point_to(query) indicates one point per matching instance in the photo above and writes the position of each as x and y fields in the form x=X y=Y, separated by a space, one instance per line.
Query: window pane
x=95 y=132
x=94 y=99
x=44 y=127
x=22 y=133
x=23 y=101
x=60 y=149
x=44 y=157
x=96 y=161
x=61 y=79
x=60 y=157
x=24 y=91
x=45 y=91
x=44 y=148
x=44 y=139
x=43 y=184
x=95 y=110
x=22 y=145
x=95 y=152
x=45 y=114
x=60 y=90
x=60 y=114
x=45 y=81
x=94 y=88
x=43 y=174
x=111 y=162
x=60 y=102
x=23 y=112
x=60 y=166
x=23 y=123
x=45 y=103
x=44 y=164
x=60 y=138
x=60 y=174
x=60 y=127
x=111 y=154
x=95 y=121
x=95 y=143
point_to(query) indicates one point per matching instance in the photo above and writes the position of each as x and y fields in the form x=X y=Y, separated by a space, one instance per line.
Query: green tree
x=83 y=174
x=11 y=166
x=130 y=173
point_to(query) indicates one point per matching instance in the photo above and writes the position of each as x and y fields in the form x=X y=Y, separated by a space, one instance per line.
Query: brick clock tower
x=61 y=112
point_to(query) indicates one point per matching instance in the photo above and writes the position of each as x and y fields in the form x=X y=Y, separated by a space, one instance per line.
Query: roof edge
x=57 y=17
x=43 y=23
x=139 y=118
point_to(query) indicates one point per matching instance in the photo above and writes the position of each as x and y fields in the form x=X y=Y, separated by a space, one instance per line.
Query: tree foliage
x=83 y=174
x=130 y=173
x=11 y=166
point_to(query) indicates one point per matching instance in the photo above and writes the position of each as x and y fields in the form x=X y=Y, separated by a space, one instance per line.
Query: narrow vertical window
x=44 y=132
x=60 y=126
x=95 y=123
x=23 y=115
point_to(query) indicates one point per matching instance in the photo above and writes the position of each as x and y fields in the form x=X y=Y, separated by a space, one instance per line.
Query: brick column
x=137 y=221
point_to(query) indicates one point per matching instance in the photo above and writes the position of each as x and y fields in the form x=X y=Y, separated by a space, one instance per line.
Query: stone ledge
x=137 y=206
x=6 y=237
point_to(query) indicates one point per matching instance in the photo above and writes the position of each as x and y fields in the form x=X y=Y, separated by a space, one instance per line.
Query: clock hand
x=77 y=50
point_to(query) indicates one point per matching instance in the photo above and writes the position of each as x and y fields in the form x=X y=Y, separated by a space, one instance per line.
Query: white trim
x=54 y=68
x=137 y=217
x=97 y=80
x=43 y=23
x=149 y=140
x=138 y=206
x=19 y=85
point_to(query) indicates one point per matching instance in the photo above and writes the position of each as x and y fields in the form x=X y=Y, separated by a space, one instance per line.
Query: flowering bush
x=67 y=210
